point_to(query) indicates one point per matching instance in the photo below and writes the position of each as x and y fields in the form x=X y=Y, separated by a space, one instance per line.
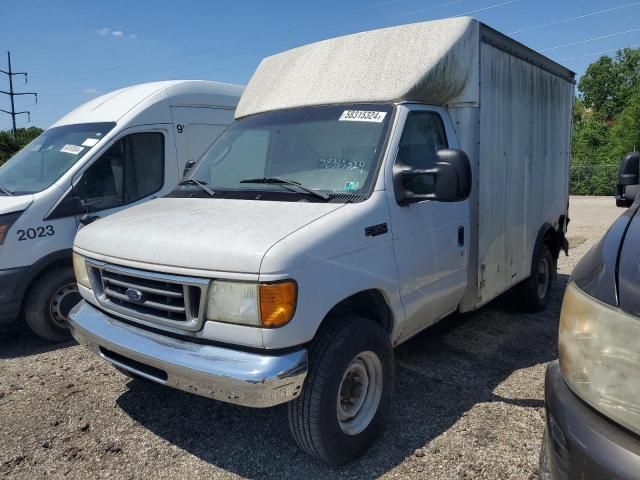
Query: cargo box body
x=518 y=137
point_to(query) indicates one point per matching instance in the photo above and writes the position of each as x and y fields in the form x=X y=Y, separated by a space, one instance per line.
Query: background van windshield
x=329 y=149
x=44 y=160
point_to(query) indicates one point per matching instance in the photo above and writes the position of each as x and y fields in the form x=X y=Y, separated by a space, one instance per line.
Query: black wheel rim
x=543 y=278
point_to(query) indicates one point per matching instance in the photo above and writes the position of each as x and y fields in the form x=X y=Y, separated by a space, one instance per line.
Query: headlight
x=600 y=356
x=81 y=271
x=260 y=305
x=5 y=224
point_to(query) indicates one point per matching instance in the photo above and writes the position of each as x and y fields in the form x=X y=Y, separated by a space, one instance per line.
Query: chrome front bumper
x=234 y=376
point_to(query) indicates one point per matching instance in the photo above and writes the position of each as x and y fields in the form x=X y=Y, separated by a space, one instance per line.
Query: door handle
x=461 y=236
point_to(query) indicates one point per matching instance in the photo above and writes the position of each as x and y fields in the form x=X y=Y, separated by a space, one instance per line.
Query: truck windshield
x=43 y=161
x=317 y=152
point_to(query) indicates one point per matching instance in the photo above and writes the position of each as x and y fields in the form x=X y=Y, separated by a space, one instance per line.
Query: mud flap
x=562 y=228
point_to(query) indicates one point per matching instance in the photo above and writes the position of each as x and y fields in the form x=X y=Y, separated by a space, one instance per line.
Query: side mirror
x=628 y=180
x=86 y=219
x=448 y=181
x=188 y=166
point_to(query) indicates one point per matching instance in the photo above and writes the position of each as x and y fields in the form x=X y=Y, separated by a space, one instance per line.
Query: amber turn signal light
x=3 y=232
x=277 y=303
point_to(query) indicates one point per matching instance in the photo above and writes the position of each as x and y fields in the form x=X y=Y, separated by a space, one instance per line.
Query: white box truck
x=117 y=150
x=371 y=185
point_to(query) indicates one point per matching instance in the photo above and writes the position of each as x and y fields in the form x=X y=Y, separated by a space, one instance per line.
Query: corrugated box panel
x=525 y=122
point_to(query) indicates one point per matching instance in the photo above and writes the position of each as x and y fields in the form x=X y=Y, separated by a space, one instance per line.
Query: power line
x=599 y=12
x=382 y=4
x=589 y=40
x=495 y=5
x=12 y=94
x=599 y=53
x=433 y=7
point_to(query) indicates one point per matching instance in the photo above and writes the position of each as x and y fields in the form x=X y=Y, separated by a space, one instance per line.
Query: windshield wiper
x=6 y=191
x=284 y=181
x=201 y=184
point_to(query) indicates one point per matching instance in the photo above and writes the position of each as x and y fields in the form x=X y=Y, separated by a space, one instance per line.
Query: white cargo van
x=336 y=218
x=117 y=150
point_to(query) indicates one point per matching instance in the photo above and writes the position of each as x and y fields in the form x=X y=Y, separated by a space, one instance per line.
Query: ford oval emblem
x=134 y=295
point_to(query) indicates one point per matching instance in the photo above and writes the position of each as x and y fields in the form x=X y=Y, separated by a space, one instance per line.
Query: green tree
x=9 y=144
x=609 y=82
x=625 y=132
x=589 y=172
x=606 y=121
x=590 y=139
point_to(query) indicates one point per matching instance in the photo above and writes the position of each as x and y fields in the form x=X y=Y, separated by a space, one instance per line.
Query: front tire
x=347 y=393
x=49 y=302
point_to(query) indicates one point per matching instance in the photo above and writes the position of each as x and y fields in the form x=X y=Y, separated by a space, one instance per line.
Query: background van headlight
x=599 y=354
x=6 y=221
x=81 y=271
x=256 y=304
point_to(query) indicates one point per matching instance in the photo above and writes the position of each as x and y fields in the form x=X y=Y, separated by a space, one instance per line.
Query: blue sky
x=77 y=49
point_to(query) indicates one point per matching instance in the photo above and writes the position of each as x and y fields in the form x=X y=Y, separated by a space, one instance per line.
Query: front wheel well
x=370 y=304
x=56 y=264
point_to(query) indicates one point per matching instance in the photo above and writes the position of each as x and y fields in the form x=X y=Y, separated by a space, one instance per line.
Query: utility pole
x=12 y=94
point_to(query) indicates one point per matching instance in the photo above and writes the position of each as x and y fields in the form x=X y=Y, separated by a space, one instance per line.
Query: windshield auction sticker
x=362 y=116
x=72 y=149
x=90 y=142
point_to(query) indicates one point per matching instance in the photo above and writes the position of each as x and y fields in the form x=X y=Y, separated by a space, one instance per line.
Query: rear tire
x=49 y=302
x=347 y=392
x=534 y=293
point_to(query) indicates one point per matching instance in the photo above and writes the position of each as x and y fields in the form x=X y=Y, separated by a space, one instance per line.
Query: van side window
x=132 y=168
x=421 y=139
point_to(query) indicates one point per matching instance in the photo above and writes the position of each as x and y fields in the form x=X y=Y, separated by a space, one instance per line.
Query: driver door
x=429 y=237
x=131 y=170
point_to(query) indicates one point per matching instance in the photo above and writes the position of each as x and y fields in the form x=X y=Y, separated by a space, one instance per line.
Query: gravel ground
x=468 y=404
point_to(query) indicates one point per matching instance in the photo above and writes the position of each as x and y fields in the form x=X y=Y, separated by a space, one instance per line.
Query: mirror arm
x=412 y=172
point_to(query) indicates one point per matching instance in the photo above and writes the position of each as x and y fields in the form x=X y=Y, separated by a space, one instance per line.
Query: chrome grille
x=149 y=297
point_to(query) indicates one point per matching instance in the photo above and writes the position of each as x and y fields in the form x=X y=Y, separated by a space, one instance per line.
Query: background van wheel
x=49 y=302
x=344 y=401
x=534 y=293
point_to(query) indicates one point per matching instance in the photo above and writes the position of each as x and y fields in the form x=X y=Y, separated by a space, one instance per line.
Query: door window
x=132 y=168
x=421 y=139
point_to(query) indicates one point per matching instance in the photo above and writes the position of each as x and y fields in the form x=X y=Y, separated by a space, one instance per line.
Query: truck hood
x=202 y=234
x=9 y=204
